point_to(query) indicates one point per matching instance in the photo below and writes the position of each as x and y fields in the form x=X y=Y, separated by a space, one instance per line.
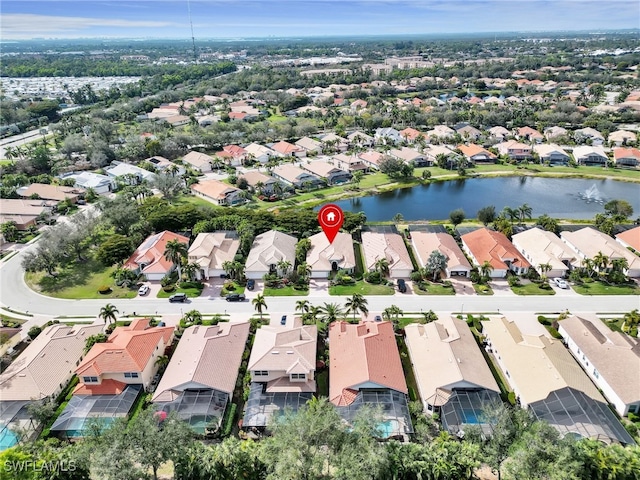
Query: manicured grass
x=600 y=288
x=237 y=288
x=77 y=281
x=408 y=369
x=434 y=289
x=361 y=287
x=4 y=319
x=285 y=292
x=483 y=289
x=191 y=292
x=532 y=289
x=404 y=321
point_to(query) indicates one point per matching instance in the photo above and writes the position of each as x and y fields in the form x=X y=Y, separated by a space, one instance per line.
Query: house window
x=131 y=375
x=89 y=379
x=298 y=376
x=595 y=373
x=261 y=373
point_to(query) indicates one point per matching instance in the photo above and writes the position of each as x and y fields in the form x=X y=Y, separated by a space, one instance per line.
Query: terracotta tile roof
x=472 y=150
x=372 y=157
x=410 y=133
x=47 y=362
x=128 y=349
x=364 y=353
x=619 y=153
x=285 y=148
x=529 y=132
x=108 y=386
x=214 y=189
x=493 y=246
x=235 y=150
x=206 y=357
x=151 y=253
x=631 y=238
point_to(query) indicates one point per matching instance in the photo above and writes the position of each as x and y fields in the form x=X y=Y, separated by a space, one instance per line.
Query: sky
x=25 y=19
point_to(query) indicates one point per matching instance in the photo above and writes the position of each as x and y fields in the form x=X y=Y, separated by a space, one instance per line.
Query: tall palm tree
x=302 y=248
x=601 y=261
x=304 y=270
x=174 y=252
x=393 y=314
x=524 y=212
x=259 y=304
x=511 y=213
x=108 y=312
x=544 y=268
x=357 y=303
x=303 y=306
x=382 y=266
x=190 y=270
x=162 y=361
x=330 y=312
x=283 y=266
x=485 y=270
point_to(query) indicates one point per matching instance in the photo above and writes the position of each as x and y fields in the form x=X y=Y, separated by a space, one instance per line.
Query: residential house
x=233 y=155
x=387 y=136
x=211 y=250
x=24 y=212
x=589 y=242
x=199 y=381
x=529 y=134
x=349 y=163
x=621 y=137
x=217 y=192
x=411 y=135
x=433 y=152
x=199 y=161
x=390 y=246
x=324 y=257
x=127 y=357
x=331 y=174
x=499 y=133
x=258 y=181
x=129 y=174
x=555 y=132
x=176 y=120
x=282 y=366
x=286 y=149
x=515 y=150
x=610 y=359
x=372 y=159
x=552 y=153
x=451 y=373
x=588 y=134
x=340 y=144
x=409 y=155
x=590 y=155
x=626 y=157
x=441 y=132
x=268 y=251
x=86 y=180
x=484 y=245
x=149 y=258
x=40 y=372
x=57 y=193
x=166 y=166
x=630 y=239
x=259 y=152
x=424 y=243
x=365 y=369
x=475 y=153
x=540 y=247
x=469 y=133
x=361 y=139
x=547 y=381
x=309 y=145
x=296 y=176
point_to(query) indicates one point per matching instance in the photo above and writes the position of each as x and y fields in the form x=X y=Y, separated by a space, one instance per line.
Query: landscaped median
x=598 y=287
x=288 y=291
x=430 y=288
x=361 y=287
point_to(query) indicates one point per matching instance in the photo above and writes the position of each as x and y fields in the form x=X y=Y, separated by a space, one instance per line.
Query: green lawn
x=404 y=321
x=408 y=369
x=285 y=292
x=77 y=281
x=483 y=289
x=434 y=289
x=237 y=288
x=532 y=289
x=191 y=292
x=600 y=288
x=361 y=287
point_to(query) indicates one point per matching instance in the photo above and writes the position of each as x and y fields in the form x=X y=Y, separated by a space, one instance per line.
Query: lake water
x=558 y=197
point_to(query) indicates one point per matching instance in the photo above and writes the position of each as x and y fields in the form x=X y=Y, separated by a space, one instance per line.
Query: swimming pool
x=7 y=438
x=469 y=416
x=388 y=428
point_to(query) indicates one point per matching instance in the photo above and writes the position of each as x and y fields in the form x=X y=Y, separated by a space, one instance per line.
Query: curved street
x=17 y=296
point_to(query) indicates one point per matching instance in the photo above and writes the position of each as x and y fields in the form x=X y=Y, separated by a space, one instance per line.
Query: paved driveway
x=501 y=288
x=318 y=288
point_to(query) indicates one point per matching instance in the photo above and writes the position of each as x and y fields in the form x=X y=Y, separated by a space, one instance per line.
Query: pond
x=558 y=197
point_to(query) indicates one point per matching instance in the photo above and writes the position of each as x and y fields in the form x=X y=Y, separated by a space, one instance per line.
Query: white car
x=560 y=283
x=143 y=290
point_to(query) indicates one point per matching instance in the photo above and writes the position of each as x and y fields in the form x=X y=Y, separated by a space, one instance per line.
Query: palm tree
x=544 y=268
x=284 y=266
x=357 y=303
x=302 y=248
x=174 y=251
x=511 y=213
x=259 y=304
x=304 y=270
x=330 y=312
x=601 y=261
x=356 y=178
x=382 y=266
x=303 y=306
x=429 y=316
x=108 y=312
x=398 y=218
x=589 y=267
x=162 y=361
x=393 y=314
x=190 y=270
x=524 y=212
x=485 y=270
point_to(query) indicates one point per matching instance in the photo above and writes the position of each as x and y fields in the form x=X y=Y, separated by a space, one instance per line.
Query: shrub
x=34 y=332
x=372 y=277
x=554 y=333
x=198 y=285
x=513 y=281
x=168 y=288
x=104 y=289
x=544 y=320
x=511 y=396
x=633 y=417
x=416 y=276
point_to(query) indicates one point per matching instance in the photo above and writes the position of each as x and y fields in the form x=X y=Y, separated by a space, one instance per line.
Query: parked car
x=378 y=318
x=143 y=290
x=235 y=297
x=251 y=284
x=402 y=286
x=283 y=320
x=178 y=297
x=560 y=283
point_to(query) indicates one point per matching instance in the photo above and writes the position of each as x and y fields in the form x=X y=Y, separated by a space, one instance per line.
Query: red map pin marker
x=330 y=218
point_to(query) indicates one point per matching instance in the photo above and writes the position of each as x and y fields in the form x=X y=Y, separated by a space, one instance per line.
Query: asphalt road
x=15 y=294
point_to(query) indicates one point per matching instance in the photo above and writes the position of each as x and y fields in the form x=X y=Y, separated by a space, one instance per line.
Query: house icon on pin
x=331 y=217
